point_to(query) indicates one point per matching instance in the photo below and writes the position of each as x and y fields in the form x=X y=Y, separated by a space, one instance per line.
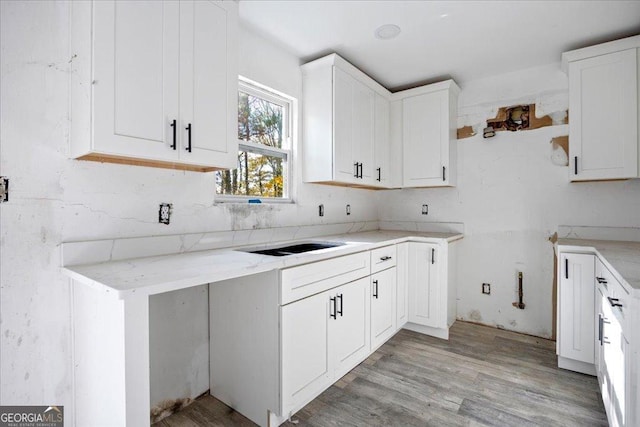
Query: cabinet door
x=305 y=358
x=135 y=78
x=576 y=307
x=208 y=83
x=345 y=169
x=363 y=129
x=599 y=329
x=402 y=270
x=424 y=286
x=615 y=348
x=383 y=306
x=381 y=151
x=349 y=332
x=425 y=139
x=603 y=101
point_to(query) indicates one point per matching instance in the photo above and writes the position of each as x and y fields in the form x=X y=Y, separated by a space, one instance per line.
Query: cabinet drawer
x=620 y=296
x=615 y=293
x=383 y=258
x=305 y=280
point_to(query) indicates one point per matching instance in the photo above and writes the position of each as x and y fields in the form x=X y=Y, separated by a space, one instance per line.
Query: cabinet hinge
x=4 y=189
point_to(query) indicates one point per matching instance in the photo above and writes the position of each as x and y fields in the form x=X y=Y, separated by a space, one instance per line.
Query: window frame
x=287 y=103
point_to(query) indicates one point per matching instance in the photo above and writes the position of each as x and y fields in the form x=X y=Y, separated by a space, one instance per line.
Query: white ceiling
x=465 y=40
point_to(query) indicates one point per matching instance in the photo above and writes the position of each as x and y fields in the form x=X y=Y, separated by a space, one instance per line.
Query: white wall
x=54 y=199
x=511 y=197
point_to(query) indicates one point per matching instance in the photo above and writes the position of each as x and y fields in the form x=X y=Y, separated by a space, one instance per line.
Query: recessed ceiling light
x=387 y=31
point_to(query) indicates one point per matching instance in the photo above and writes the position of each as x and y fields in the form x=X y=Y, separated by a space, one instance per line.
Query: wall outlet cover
x=164 y=213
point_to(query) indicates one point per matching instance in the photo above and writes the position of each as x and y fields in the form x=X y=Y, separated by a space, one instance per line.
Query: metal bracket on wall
x=4 y=189
x=519 y=304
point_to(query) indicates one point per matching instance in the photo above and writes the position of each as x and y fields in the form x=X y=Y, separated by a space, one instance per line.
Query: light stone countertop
x=622 y=258
x=158 y=274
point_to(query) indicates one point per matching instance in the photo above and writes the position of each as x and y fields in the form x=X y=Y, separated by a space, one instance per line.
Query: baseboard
x=576 y=366
x=442 y=333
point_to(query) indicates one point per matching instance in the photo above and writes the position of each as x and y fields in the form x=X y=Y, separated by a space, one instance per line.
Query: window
x=264 y=138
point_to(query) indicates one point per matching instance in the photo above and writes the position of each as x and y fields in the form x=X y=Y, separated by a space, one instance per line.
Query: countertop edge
x=589 y=248
x=263 y=267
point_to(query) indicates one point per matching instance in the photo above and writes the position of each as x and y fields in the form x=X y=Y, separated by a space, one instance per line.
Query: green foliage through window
x=263 y=155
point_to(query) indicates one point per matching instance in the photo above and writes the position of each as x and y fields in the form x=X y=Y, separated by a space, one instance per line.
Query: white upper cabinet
x=209 y=83
x=346 y=131
x=429 y=117
x=353 y=129
x=155 y=83
x=603 y=106
x=381 y=142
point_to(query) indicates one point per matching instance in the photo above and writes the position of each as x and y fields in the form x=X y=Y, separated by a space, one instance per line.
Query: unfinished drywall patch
x=511 y=118
x=465 y=132
x=560 y=153
x=515 y=118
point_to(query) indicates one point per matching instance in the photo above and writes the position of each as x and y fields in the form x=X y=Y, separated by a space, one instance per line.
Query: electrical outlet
x=164 y=213
x=425 y=209
x=321 y=210
x=486 y=288
x=348 y=209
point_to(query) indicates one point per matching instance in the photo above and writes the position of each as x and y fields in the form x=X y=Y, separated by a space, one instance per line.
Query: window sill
x=244 y=200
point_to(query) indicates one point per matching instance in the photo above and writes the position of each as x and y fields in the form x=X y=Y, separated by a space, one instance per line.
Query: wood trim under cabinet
x=123 y=160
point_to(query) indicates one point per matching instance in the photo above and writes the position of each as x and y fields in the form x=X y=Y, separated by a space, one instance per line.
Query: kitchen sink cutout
x=297 y=248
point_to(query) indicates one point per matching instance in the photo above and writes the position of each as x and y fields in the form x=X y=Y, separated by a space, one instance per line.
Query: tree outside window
x=264 y=146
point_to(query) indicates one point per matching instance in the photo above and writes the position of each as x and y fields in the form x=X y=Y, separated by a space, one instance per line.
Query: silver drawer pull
x=385 y=258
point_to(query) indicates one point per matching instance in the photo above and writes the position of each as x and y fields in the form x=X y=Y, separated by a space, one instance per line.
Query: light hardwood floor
x=481 y=376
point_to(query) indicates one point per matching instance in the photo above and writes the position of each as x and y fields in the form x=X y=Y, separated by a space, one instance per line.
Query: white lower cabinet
x=383 y=306
x=305 y=349
x=280 y=338
x=595 y=312
x=402 y=294
x=576 y=294
x=599 y=329
x=430 y=273
x=424 y=285
x=614 y=354
x=323 y=337
x=349 y=342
